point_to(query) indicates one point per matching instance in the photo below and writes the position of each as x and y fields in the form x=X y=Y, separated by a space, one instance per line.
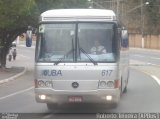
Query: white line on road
x=136 y=62
x=155 y=78
x=138 y=55
x=155 y=58
x=152 y=64
x=16 y=93
x=152 y=76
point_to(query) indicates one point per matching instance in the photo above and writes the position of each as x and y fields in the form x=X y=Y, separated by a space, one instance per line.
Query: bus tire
x=113 y=105
x=52 y=106
x=121 y=89
x=125 y=89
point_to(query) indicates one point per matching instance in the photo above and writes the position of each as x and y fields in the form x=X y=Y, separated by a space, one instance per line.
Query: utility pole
x=141 y=19
x=117 y=8
x=91 y=3
x=142 y=24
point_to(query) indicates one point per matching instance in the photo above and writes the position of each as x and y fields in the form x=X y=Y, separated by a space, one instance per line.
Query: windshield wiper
x=61 y=59
x=71 y=51
x=83 y=51
x=90 y=58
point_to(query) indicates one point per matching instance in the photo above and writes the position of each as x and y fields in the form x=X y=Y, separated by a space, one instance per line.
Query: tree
x=130 y=14
x=17 y=15
x=152 y=17
x=44 y=5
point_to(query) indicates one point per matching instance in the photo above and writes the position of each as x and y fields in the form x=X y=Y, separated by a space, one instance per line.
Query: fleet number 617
x=106 y=72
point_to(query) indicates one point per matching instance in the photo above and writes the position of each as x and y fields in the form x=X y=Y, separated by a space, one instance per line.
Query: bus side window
x=124 y=41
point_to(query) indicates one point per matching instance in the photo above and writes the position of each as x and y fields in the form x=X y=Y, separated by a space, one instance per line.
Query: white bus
x=81 y=57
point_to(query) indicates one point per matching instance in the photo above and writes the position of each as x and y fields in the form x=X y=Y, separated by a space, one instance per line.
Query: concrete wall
x=150 y=41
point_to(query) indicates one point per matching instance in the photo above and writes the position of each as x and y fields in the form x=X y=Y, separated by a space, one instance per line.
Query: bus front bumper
x=60 y=97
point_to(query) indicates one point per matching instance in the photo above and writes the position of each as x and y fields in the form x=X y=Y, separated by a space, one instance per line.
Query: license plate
x=75 y=99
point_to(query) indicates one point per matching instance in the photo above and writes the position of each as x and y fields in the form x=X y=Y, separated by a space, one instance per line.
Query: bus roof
x=66 y=14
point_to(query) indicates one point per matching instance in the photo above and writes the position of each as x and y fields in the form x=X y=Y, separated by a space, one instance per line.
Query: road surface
x=143 y=91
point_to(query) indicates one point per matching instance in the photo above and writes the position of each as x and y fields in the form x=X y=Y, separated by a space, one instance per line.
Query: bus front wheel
x=125 y=89
x=52 y=106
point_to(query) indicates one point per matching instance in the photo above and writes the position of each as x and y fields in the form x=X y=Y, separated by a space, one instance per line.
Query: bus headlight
x=48 y=84
x=42 y=97
x=108 y=97
x=102 y=84
x=106 y=84
x=110 y=84
x=41 y=83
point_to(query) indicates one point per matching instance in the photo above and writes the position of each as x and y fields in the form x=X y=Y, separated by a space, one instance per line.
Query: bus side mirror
x=125 y=42
x=29 y=38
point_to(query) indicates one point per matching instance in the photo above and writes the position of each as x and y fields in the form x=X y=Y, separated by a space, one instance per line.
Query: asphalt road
x=147 y=56
x=18 y=96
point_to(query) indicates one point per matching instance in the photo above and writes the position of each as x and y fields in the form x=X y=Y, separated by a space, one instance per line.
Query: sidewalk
x=14 y=69
x=12 y=73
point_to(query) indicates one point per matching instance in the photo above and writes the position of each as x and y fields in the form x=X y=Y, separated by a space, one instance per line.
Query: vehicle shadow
x=84 y=108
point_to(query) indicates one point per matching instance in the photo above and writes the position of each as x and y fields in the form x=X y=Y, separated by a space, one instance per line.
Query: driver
x=98 y=48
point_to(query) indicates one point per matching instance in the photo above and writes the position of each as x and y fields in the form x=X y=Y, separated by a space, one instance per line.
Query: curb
x=145 y=49
x=147 y=64
x=33 y=46
x=13 y=77
x=140 y=63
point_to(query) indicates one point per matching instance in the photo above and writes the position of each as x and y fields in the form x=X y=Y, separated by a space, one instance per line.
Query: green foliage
x=16 y=13
x=150 y=16
x=44 y=5
x=153 y=16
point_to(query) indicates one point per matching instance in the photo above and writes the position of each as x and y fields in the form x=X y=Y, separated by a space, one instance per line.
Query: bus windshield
x=81 y=42
x=96 y=40
x=56 y=42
